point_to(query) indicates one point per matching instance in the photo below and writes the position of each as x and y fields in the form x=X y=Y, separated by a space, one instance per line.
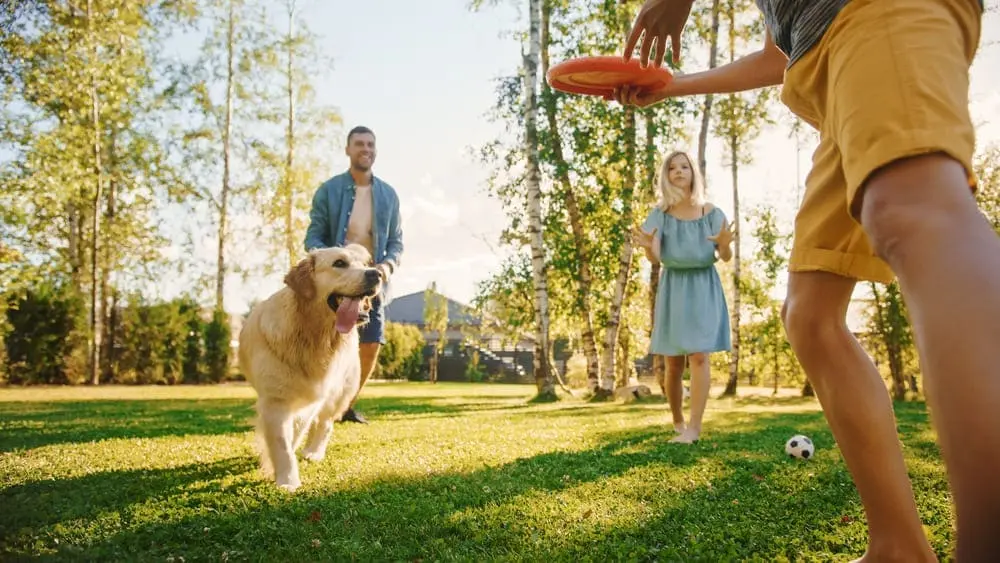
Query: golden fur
x=304 y=371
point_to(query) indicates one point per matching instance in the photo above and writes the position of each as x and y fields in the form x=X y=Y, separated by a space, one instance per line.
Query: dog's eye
x=341 y=263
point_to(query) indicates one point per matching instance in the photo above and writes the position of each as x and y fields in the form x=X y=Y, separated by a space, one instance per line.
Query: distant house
x=466 y=332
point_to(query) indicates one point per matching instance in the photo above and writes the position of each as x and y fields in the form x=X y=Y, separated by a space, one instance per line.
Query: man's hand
x=657 y=20
x=383 y=272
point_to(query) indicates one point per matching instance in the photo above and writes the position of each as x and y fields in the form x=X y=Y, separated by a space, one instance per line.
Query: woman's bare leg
x=701 y=381
x=675 y=390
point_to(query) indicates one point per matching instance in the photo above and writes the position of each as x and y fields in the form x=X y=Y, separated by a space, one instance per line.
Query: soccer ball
x=800 y=446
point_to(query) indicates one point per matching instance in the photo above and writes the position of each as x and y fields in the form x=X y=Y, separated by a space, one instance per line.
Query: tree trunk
x=543 y=376
x=658 y=365
x=624 y=258
x=706 y=113
x=583 y=275
x=624 y=366
x=220 y=274
x=734 y=151
x=96 y=311
x=75 y=221
x=807 y=390
x=108 y=290
x=776 y=359
x=291 y=245
x=734 y=358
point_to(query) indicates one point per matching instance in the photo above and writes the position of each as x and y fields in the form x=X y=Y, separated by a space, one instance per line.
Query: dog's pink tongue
x=347 y=314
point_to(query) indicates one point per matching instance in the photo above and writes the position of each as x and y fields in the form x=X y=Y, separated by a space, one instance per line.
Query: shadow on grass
x=748 y=502
x=29 y=424
x=420 y=407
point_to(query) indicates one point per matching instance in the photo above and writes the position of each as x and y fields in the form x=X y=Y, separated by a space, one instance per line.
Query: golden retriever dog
x=299 y=351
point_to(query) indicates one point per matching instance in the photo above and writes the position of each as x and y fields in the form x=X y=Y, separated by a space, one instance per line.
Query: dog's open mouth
x=348 y=309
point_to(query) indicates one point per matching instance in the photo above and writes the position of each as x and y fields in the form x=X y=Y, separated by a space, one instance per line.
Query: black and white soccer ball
x=800 y=446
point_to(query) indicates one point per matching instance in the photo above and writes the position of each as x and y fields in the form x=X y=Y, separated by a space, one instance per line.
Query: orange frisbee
x=600 y=75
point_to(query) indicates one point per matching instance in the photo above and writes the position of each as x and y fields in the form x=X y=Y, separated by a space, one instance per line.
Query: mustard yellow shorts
x=889 y=80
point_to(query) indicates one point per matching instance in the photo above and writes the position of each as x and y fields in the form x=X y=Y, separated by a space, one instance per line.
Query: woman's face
x=679 y=172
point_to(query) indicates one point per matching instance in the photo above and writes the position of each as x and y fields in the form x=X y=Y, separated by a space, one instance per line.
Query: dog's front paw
x=289 y=485
x=290 y=488
x=314 y=456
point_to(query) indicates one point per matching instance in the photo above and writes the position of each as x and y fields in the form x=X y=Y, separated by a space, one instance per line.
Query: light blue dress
x=691 y=314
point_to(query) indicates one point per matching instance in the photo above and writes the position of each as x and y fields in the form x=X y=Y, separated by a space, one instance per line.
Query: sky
x=410 y=72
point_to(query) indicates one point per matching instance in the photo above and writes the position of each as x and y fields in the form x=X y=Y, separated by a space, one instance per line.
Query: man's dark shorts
x=374 y=331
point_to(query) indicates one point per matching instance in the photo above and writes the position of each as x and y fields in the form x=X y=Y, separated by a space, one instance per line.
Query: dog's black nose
x=372 y=277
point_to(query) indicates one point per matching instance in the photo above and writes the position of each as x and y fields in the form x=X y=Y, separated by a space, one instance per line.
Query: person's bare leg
x=856 y=405
x=675 y=390
x=368 y=351
x=701 y=382
x=922 y=219
x=369 y=354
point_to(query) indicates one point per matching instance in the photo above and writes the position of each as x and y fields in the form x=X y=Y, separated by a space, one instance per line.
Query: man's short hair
x=359 y=130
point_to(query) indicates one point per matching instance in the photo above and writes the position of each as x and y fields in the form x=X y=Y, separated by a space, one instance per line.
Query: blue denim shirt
x=331 y=211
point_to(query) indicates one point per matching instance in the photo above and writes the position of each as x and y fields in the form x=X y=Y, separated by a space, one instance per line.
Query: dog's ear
x=300 y=278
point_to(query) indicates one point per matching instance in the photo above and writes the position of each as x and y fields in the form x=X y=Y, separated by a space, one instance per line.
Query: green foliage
x=769 y=355
x=45 y=327
x=192 y=367
x=401 y=357
x=473 y=371
x=154 y=342
x=217 y=347
x=436 y=315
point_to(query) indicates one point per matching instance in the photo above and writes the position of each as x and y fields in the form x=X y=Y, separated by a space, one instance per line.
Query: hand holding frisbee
x=607 y=76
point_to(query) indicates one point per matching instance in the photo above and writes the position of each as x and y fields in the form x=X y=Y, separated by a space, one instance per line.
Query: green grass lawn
x=447 y=472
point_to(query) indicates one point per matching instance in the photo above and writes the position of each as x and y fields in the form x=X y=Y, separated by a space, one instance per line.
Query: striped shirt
x=797 y=25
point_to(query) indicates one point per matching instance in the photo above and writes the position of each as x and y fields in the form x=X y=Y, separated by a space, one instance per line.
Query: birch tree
x=533 y=183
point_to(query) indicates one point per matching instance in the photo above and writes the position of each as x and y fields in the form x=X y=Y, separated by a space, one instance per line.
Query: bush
x=217 y=347
x=153 y=343
x=401 y=356
x=45 y=342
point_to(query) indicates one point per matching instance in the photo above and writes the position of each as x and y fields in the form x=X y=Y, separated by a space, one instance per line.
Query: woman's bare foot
x=687 y=436
x=679 y=427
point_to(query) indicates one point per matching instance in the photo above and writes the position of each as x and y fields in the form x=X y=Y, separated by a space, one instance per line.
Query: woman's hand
x=724 y=237
x=628 y=95
x=644 y=239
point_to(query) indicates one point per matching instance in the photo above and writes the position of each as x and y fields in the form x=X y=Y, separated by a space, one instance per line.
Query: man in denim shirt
x=357 y=207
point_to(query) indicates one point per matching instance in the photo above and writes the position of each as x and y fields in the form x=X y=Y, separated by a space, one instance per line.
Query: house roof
x=409 y=309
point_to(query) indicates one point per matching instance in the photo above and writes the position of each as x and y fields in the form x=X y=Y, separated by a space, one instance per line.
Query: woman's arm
x=765 y=67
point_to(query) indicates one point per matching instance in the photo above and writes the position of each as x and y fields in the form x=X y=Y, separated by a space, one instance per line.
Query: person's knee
x=699 y=360
x=675 y=365
x=912 y=198
x=815 y=309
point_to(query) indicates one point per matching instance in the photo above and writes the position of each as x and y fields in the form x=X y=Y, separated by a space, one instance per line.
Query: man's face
x=361 y=151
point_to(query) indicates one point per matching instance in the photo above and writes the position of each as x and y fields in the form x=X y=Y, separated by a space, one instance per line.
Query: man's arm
x=762 y=68
x=318 y=232
x=394 y=245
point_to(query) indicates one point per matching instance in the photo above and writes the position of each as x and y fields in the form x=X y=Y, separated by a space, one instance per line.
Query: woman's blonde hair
x=670 y=194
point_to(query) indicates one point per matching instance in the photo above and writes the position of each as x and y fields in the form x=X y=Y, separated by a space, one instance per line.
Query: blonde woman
x=691 y=319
